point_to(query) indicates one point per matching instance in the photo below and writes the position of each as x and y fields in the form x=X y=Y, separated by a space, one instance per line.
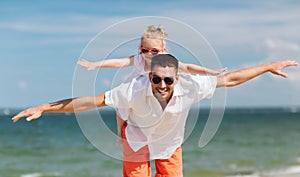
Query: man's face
x=163 y=80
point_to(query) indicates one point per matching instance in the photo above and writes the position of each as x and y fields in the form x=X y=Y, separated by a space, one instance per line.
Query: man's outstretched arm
x=79 y=104
x=243 y=75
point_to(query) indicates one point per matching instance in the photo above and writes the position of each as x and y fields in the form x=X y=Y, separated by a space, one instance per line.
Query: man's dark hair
x=164 y=60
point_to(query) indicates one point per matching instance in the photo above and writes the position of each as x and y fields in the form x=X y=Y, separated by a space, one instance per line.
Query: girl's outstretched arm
x=196 y=69
x=110 y=63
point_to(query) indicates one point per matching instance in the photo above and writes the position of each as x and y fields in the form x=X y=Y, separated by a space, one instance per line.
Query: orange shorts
x=137 y=164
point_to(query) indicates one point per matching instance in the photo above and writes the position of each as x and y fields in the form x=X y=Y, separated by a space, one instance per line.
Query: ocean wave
x=37 y=174
x=292 y=171
x=251 y=175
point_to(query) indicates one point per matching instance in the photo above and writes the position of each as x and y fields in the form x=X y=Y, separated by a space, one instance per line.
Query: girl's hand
x=87 y=65
x=218 y=72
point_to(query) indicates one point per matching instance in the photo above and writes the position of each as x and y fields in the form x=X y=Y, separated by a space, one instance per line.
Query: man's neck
x=162 y=101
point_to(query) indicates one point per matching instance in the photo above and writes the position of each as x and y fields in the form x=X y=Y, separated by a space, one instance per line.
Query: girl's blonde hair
x=155 y=32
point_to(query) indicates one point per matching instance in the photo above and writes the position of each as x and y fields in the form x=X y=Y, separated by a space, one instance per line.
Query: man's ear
x=150 y=75
x=176 y=79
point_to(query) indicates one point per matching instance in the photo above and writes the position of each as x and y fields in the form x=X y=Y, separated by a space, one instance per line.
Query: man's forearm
x=68 y=105
x=79 y=104
x=243 y=75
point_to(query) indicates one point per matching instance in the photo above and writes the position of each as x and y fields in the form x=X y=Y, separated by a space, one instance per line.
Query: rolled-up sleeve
x=206 y=86
x=119 y=96
x=210 y=86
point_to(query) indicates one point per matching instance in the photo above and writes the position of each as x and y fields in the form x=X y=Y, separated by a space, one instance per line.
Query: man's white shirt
x=148 y=124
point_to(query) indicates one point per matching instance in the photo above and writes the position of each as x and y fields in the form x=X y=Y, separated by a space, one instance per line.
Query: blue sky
x=41 y=42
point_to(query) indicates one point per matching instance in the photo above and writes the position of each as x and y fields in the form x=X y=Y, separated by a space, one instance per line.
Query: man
x=157 y=106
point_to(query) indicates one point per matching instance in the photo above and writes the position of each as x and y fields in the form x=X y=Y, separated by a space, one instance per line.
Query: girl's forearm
x=115 y=63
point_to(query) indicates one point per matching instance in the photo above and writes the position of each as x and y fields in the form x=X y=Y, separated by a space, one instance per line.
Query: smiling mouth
x=162 y=90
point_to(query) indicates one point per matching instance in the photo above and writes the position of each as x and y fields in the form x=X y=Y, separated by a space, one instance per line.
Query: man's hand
x=276 y=67
x=243 y=75
x=30 y=113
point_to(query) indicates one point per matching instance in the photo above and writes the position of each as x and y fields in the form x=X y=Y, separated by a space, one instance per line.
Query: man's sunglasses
x=153 y=51
x=167 y=80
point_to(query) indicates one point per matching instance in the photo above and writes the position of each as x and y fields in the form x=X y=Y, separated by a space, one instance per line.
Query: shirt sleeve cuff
x=108 y=100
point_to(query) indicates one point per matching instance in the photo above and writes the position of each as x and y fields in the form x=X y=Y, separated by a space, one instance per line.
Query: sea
x=250 y=142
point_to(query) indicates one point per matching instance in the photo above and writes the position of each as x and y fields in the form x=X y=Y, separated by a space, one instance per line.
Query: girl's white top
x=139 y=68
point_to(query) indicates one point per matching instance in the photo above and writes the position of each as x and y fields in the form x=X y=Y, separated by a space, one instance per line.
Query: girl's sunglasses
x=153 y=51
x=167 y=80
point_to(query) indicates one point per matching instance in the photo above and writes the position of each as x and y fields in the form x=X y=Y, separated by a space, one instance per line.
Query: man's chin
x=161 y=94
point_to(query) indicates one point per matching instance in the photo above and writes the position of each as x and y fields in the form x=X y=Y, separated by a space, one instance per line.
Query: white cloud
x=275 y=44
x=22 y=84
x=282 y=49
x=244 y=25
x=106 y=82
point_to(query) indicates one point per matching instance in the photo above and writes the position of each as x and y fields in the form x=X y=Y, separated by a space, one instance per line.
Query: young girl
x=152 y=43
